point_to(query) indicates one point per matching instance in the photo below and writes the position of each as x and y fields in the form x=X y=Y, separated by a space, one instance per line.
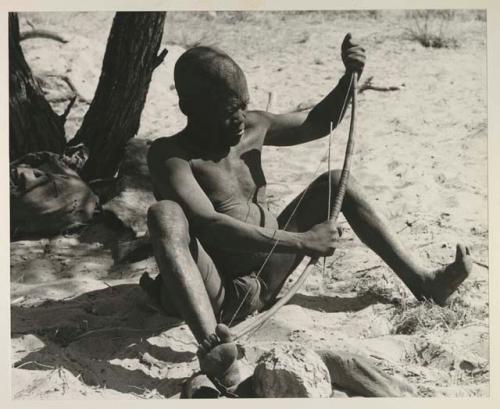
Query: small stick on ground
x=34 y=363
x=368 y=85
x=428 y=243
x=35 y=33
x=481 y=264
x=365 y=270
x=270 y=101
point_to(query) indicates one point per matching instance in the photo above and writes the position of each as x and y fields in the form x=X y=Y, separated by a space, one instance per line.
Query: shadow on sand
x=334 y=304
x=102 y=336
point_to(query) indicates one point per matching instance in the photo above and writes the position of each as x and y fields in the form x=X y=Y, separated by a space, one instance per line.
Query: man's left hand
x=353 y=55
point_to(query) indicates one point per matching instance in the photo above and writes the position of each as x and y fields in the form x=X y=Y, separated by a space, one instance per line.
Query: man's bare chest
x=235 y=178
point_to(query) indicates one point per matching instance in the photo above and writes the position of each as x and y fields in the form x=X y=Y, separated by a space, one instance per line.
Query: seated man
x=211 y=228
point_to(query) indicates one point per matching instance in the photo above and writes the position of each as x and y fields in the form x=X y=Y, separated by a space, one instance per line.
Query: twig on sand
x=481 y=264
x=28 y=22
x=124 y=329
x=36 y=33
x=107 y=285
x=384 y=359
x=270 y=100
x=35 y=363
x=428 y=243
x=18 y=300
x=140 y=389
x=365 y=270
x=112 y=288
x=368 y=85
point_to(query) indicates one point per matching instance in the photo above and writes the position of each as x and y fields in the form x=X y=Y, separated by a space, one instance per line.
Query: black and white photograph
x=248 y=203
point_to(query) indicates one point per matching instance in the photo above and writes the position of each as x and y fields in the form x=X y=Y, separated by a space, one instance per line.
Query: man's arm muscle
x=174 y=180
x=299 y=127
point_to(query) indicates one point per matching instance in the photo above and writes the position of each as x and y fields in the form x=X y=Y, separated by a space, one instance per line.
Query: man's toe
x=224 y=333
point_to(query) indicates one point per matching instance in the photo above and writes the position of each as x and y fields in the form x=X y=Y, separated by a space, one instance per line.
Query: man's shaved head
x=207 y=74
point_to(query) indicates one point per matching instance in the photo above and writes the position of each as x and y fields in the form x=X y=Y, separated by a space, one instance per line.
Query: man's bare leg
x=196 y=297
x=373 y=230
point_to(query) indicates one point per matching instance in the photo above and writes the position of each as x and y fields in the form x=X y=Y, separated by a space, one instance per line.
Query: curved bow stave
x=244 y=328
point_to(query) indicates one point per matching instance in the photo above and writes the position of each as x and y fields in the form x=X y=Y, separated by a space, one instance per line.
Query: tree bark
x=34 y=126
x=114 y=114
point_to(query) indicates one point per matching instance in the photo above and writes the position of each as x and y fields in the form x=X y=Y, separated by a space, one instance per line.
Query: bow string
x=244 y=328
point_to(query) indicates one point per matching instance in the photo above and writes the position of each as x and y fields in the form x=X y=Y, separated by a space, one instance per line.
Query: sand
x=82 y=328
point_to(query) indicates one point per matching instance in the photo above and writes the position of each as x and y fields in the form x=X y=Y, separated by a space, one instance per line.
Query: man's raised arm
x=295 y=128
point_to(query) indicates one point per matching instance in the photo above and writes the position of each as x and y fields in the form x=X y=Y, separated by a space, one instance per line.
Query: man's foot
x=443 y=282
x=217 y=355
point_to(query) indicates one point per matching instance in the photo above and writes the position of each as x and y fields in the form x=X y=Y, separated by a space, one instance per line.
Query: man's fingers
x=357 y=52
x=355 y=59
x=354 y=54
x=355 y=63
x=355 y=48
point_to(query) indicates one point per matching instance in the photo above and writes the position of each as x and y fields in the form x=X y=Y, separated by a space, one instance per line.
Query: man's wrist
x=302 y=240
x=291 y=242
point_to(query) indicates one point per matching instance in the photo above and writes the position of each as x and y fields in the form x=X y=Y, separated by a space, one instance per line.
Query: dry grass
x=379 y=283
x=424 y=316
x=432 y=28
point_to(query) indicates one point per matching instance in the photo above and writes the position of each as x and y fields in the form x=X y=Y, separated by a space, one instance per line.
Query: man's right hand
x=322 y=239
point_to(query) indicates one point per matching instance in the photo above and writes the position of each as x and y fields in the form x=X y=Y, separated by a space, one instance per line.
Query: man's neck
x=199 y=141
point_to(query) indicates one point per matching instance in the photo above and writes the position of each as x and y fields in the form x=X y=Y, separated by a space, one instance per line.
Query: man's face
x=229 y=117
x=223 y=118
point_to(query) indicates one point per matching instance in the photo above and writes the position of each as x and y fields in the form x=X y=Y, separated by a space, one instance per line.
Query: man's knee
x=167 y=219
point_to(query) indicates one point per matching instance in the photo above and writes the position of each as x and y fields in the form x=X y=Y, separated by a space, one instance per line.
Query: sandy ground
x=81 y=327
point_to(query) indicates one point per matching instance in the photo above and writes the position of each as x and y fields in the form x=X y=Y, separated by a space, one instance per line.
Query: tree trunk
x=34 y=126
x=114 y=115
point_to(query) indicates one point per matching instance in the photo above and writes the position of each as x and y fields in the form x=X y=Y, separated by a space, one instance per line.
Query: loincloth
x=242 y=297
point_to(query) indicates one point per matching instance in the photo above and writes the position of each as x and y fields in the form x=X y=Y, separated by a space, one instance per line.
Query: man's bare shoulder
x=168 y=166
x=164 y=148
